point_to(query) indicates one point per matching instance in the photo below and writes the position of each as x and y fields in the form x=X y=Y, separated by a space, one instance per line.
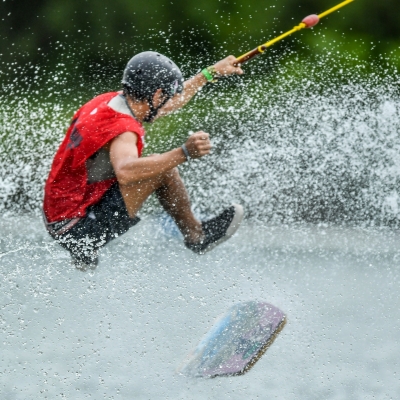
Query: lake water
x=312 y=153
x=121 y=331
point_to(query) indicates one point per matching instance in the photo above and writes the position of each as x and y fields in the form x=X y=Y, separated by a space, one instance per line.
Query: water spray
x=308 y=22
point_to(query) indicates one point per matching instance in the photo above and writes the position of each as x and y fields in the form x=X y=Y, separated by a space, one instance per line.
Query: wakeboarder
x=98 y=180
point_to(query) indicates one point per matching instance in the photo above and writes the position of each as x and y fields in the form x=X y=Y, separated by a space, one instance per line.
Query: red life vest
x=67 y=191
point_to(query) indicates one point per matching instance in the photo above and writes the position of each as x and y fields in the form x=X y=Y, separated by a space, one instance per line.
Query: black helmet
x=149 y=71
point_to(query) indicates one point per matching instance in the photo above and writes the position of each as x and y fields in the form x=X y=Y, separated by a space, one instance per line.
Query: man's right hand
x=198 y=144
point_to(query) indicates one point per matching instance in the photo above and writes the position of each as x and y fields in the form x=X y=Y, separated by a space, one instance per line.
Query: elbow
x=122 y=181
x=129 y=176
x=123 y=177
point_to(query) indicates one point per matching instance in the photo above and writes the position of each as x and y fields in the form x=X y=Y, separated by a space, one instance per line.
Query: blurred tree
x=110 y=31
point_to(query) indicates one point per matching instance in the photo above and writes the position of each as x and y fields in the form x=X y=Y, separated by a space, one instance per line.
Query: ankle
x=195 y=235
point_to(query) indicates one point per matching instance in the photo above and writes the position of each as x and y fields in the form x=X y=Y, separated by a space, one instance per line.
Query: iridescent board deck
x=236 y=341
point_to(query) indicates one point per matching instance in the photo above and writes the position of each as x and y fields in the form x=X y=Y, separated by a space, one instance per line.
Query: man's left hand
x=228 y=66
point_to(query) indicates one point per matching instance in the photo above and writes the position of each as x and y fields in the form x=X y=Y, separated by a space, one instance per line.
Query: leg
x=104 y=221
x=172 y=195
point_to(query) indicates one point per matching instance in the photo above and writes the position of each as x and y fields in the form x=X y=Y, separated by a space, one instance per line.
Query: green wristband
x=207 y=74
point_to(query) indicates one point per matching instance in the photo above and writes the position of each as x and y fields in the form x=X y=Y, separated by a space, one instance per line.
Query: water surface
x=121 y=331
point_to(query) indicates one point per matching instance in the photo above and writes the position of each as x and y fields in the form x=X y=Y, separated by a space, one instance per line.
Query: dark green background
x=92 y=35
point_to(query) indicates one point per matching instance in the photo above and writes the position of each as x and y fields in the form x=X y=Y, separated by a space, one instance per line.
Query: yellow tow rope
x=260 y=49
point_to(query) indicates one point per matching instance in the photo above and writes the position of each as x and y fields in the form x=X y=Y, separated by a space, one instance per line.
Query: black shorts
x=104 y=221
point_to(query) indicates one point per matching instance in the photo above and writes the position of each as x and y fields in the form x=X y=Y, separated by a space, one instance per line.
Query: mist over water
x=311 y=149
x=310 y=155
x=122 y=331
x=314 y=143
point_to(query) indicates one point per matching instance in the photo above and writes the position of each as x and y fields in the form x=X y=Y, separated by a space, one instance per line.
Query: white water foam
x=121 y=331
x=308 y=147
x=291 y=152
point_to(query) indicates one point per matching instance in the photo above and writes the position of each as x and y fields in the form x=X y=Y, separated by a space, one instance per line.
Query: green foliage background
x=107 y=33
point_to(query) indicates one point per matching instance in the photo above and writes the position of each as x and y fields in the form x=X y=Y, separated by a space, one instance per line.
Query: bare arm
x=225 y=67
x=190 y=88
x=130 y=169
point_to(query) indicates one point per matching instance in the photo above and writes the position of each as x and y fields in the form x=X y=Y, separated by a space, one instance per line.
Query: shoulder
x=101 y=98
x=118 y=104
x=92 y=106
x=128 y=137
x=124 y=115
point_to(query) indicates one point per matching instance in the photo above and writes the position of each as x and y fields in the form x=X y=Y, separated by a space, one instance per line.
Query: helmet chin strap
x=154 y=110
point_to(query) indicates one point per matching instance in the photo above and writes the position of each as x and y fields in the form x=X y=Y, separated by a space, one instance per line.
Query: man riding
x=99 y=181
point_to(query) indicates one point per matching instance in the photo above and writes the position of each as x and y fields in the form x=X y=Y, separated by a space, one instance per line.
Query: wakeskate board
x=236 y=341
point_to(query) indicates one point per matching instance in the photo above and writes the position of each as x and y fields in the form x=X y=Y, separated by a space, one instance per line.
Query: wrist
x=185 y=152
x=211 y=74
